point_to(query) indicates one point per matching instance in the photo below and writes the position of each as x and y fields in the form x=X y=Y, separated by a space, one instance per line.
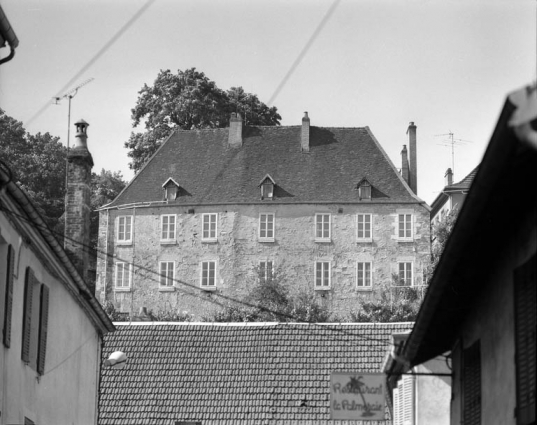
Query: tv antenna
x=451 y=141
x=69 y=95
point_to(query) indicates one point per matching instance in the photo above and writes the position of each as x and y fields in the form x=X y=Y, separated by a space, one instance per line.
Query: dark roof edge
x=257 y=324
x=79 y=290
x=399 y=176
x=484 y=184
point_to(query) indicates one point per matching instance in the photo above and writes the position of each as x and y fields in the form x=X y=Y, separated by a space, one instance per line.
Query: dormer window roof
x=171 y=188
x=267 y=187
x=364 y=189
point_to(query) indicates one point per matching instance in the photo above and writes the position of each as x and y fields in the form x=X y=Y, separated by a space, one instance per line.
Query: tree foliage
x=270 y=300
x=188 y=100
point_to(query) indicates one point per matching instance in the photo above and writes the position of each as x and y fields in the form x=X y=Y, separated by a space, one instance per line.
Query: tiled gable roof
x=465 y=183
x=234 y=373
x=210 y=171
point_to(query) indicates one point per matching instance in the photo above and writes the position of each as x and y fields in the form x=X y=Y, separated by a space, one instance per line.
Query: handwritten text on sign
x=357 y=396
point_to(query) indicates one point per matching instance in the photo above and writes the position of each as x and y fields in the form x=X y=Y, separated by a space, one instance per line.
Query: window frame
x=170 y=238
x=208 y=287
x=266 y=238
x=210 y=237
x=322 y=237
x=125 y=266
x=265 y=271
x=169 y=281
x=363 y=277
x=404 y=228
x=405 y=271
x=324 y=264
x=124 y=239
x=364 y=238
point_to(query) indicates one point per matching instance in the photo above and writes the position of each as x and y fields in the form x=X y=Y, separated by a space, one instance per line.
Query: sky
x=446 y=65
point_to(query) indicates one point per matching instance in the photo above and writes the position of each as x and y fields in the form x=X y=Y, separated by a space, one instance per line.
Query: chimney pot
x=305 y=133
x=449 y=177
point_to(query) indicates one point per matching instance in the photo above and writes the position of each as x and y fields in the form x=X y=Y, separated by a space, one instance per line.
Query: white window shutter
x=408 y=400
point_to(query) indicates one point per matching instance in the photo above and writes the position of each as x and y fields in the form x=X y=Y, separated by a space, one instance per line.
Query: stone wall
x=238 y=251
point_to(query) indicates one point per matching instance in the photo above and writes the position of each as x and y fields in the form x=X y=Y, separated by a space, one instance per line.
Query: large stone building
x=323 y=206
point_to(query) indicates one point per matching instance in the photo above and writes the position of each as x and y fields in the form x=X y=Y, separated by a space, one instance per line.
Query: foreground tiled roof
x=209 y=171
x=234 y=373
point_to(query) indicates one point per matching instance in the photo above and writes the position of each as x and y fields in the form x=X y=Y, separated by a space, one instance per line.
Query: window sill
x=122 y=289
x=323 y=240
x=364 y=240
x=208 y=288
x=404 y=239
x=168 y=242
x=266 y=240
x=322 y=288
x=364 y=288
x=209 y=240
x=124 y=243
x=166 y=289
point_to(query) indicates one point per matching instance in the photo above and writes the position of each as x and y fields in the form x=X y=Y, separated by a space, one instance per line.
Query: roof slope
x=209 y=171
x=234 y=373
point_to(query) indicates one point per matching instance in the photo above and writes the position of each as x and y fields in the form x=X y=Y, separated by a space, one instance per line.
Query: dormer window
x=171 y=188
x=267 y=187
x=364 y=190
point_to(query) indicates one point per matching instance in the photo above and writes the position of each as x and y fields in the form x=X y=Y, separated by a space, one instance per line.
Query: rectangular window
x=322 y=274
x=525 y=283
x=364 y=227
x=405 y=274
x=266 y=227
x=123 y=275
x=208 y=274
x=405 y=226
x=167 y=273
x=322 y=227
x=265 y=270
x=167 y=227
x=124 y=229
x=471 y=385
x=209 y=227
x=363 y=275
x=35 y=322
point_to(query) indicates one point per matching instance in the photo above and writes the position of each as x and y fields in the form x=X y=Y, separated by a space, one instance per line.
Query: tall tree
x=188 y=100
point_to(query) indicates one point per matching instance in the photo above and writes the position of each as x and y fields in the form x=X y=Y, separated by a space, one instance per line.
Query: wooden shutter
x=525 y=323
x=43 y=325
x=407 y=401
x=471 y=385
x=27 y=315
x=9 y=296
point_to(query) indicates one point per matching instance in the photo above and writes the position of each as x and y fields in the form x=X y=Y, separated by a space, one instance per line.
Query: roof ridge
x=257 y=324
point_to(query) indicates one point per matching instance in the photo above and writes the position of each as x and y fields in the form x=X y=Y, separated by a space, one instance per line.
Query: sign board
x=357 y=396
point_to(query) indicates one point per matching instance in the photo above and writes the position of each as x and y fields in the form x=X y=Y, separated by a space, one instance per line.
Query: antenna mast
x=69 y=95
x=451 y=142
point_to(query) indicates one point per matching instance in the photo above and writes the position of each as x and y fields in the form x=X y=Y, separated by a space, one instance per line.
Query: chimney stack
x=413 y=162
x=449 y=177
x=77 y=203
x=235 y=130
x=305 y=134
x=404 y=164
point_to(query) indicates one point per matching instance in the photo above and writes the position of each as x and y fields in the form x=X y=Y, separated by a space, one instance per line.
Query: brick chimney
x=77 y=202
x=404 y=164
x=449 y=177
x=305 y=134
x=235 y=130
x=413 y=162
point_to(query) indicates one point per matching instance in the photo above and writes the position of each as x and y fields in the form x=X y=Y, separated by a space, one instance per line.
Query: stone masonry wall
x=238 y=251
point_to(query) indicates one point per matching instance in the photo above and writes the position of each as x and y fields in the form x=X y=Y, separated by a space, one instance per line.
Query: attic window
x=171 y=188
x=267 y=187
x=364 y=189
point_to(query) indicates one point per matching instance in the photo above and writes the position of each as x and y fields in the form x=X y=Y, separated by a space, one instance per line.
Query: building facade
x=52 y=325
x=213 y=210
x=481 y=305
